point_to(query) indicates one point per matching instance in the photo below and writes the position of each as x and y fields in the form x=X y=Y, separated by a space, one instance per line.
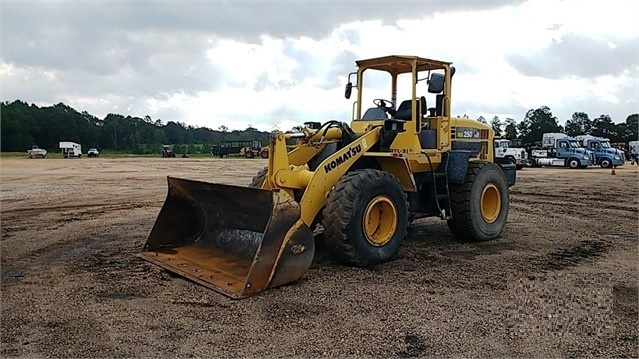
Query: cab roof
x=399 y=64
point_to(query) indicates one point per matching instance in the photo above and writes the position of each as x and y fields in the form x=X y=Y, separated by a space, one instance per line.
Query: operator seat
x=375 y=113
x=405 y=110
x=438 y=110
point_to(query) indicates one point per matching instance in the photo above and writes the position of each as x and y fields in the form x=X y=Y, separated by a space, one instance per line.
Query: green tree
x=496 y=124
x=579 y=124
x=603 y=126
x=511 y=128
x=631 y=131
x=536 y=123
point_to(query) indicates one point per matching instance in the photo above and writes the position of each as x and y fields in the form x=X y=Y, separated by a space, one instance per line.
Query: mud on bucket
x=235 y=240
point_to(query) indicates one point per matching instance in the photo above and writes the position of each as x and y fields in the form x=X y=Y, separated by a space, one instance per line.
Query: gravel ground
x=560 y=282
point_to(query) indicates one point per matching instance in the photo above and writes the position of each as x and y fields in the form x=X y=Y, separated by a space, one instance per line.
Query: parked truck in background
x=605 y=155
x=558 y=149
x=247 y=149
x=514 y=155
x=633 y=151
x=36 y=152
x=167 y=151
x=254 y=150
x=70 y=149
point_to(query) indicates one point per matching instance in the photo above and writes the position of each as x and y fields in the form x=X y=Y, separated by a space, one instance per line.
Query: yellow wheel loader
x=363 y=182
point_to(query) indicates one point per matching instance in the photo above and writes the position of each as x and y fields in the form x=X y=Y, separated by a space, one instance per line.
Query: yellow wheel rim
x=490 y=203
x=380 y=220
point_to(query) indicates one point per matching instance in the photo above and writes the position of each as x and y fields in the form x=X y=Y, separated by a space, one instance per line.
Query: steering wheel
x=382 y=103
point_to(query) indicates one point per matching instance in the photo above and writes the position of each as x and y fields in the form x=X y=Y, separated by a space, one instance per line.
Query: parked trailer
x=70 y=149
x=560 y=150
x=36 y=152
x=605 y=155
x=247 y=149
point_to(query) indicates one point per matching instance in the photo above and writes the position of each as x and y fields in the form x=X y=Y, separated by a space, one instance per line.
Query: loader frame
x=363 y=182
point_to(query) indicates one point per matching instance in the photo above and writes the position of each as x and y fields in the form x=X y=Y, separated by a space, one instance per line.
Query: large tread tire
x=343 y=217
x=467 y=223
x=258 y=180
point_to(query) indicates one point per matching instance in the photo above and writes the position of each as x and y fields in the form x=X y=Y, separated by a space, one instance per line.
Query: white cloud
x=510 y=58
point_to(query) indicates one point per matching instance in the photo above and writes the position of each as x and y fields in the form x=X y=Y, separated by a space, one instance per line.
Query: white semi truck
x=514 y=155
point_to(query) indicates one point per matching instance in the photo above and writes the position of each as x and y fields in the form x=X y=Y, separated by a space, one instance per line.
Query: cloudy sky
x=275 y=64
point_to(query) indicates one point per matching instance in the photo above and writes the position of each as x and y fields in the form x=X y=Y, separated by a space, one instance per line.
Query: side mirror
x=349 y=89
x=452 y=71
x=436 y=83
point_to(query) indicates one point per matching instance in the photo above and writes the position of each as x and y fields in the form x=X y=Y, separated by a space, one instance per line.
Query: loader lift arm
x=289 y=171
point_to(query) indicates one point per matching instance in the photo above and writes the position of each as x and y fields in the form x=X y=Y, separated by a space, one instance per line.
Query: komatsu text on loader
x=363 y=182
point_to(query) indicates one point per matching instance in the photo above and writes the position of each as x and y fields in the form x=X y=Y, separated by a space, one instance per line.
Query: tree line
x=536 y=122
x=23 y=125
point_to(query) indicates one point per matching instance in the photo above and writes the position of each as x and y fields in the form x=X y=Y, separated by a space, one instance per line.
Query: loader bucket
x=236 y=240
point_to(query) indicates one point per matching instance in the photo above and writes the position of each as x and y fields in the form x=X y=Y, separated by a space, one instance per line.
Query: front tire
x=605 y=163
x=258 y=180
x=366 y=217
x=480 y=205
x=573 y=163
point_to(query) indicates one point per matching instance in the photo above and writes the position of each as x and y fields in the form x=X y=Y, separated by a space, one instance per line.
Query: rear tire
x=605 y=163
x=480 y=205
x=264 y=154
x=365 y=218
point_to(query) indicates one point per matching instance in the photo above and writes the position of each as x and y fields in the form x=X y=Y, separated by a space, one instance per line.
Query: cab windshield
x=574 y=144
x=605 y=144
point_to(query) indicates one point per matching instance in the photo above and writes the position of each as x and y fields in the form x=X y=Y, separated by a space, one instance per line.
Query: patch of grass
x=14 y=154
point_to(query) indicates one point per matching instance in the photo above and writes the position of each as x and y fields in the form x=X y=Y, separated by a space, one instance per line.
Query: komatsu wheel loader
x=363 y=182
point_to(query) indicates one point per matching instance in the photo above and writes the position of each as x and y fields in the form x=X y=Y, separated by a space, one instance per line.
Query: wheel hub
x=380 y=220
x=490 y=203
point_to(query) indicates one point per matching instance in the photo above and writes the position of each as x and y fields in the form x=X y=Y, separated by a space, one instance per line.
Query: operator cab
x=385 y=109
x=392 y=85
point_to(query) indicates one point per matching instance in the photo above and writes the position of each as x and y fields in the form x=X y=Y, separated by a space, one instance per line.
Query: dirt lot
x=561 y=282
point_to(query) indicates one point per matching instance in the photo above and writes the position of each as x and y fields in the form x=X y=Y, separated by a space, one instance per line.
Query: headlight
x=586 y=157
x=617 y=157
